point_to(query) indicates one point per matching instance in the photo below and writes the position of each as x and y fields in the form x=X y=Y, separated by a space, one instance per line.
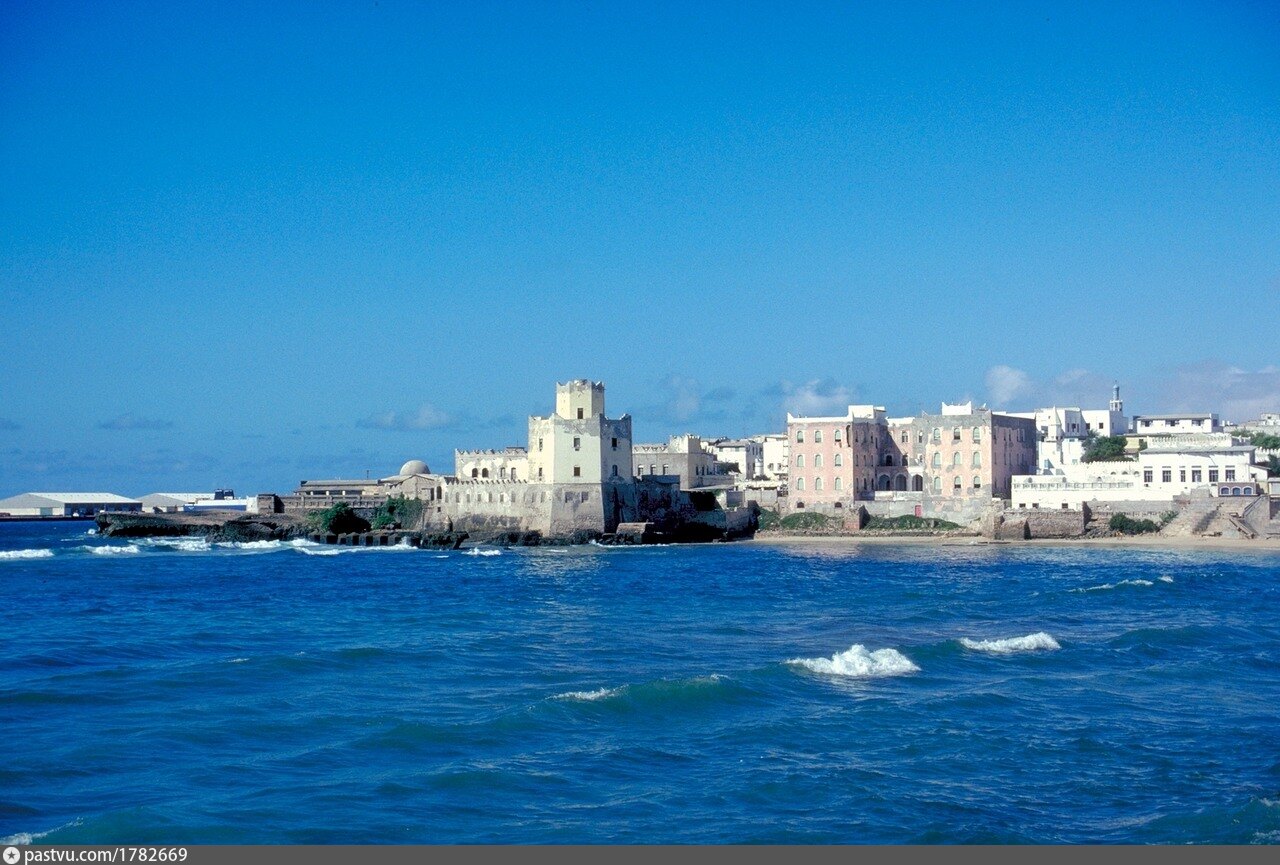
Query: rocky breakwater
x=213 y=525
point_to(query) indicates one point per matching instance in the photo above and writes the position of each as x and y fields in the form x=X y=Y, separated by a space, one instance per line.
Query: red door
x=919 y=510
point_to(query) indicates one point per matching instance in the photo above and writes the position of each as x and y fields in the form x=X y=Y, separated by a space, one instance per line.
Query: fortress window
x=475 y=473
x=539 y=472
x=484 y=473
x=577 y=443
x=614 y=473
x=665 y=470
x=615 y=443
x=539 y=444
x=653 y=469
x=579 y=414
x=513 y=474
x=577 y=471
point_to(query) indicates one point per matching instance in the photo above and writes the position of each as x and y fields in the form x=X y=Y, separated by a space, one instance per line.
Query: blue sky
x=243 y=246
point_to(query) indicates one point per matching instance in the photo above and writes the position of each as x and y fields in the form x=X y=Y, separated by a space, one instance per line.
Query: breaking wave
x=590 y=696
x=26 y=554
x=1166 y=579
x=311 y=548
x=476 y=551
x=858 y=663
x=1106 y=586
x=126 y=550
x=186 y=545
x=1030 y=643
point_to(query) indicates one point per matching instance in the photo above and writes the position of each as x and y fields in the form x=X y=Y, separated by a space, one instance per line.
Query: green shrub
x=337 y=520
x=909 y=523
x=1104 y=448
x=1129 y=526
x=397 y=512
x=769 y=520
x=805 y=520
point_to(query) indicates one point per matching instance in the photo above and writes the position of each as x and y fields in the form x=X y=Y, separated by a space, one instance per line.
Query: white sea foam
x=321 y=551
x=26 y=554
x=126 y=550
x=313 y=549
x=476 y=551
x=26 y=839
x=237 y=660
x=589 y=696
x=1106 y=586
x=1166 y=579
x=858 y=663
x=1008 y=646
x=186 y=545
x=91 y=532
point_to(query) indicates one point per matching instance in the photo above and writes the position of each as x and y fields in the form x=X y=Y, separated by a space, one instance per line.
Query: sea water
x=169 y=691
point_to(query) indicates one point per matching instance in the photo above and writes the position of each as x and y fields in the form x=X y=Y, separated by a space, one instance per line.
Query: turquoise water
x=719 y=693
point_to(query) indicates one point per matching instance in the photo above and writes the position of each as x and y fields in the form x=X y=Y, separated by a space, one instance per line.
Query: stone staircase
x=1195 y=519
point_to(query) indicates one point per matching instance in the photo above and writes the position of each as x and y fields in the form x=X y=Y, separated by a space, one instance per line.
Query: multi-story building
x=685 y=457
x=775 y=451
x=744 y=457
x=1172 y=424
x=961 y=453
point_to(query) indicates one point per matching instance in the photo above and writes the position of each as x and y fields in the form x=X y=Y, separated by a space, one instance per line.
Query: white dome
x=414 y=467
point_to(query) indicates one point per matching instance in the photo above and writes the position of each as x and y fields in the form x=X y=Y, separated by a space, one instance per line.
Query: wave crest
x=1039 y=641
x=859 y=663
x=476 y=551
x=26 y=554
x=126 y=550
x=1106 y=586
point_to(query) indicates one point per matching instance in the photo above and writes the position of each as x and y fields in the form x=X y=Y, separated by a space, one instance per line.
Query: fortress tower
x=578 y=444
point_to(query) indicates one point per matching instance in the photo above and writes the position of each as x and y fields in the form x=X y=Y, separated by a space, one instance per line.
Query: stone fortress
x=575 y=475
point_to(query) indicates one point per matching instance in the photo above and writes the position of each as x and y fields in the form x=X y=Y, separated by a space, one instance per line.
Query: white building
x=746 y=454
x=1172 y=424
x=66 y=504
x=775 y=450
x=1170 y=466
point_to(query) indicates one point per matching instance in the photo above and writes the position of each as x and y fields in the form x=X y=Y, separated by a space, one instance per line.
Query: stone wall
x=1023 y=524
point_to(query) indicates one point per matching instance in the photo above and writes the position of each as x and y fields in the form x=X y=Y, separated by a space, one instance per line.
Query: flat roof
x=88 y=498
x=1187 y=416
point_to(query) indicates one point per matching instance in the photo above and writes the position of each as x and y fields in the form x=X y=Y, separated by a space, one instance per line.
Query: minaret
x=1117 y=404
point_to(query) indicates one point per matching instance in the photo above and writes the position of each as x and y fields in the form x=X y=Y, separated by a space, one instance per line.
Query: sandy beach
x=1259 y=545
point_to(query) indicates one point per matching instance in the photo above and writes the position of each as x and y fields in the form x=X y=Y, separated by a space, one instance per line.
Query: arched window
x=800 y=436
x=839 y=460
x=900 y=483
x=817 y=436
x=977 y=482
x=475 y=473
x=917 y=484
x=799 y=461
x=484 y=473
x=799 y=484
x=1235 y=491
x=955 y=459
x=1248 y=491
x=937 y=460
x=977 y=434
x=513 y=474
x=977 y=459
x=937 y=484
x=955 y=433
x=904 y=436
x=539 y=472
x=817 y=461
x=839 y=483
x=956 y=484
x=817 y=485
x=882 y=483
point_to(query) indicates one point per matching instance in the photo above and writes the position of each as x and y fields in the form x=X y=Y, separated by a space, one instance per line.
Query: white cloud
x=816 y=398
x=1236 y=394
x=1005 y=384
x=426 y=417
